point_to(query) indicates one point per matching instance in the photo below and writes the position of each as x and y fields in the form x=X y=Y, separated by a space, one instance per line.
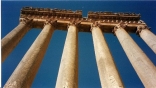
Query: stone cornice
x=106 y=20
x=114 y=16
x=51 y=12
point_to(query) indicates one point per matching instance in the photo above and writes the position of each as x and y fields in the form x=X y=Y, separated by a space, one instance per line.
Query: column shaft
x=26 y=70
x=149 y=38
x=107 y=70
x=68 y=71
x=10 y=41
x=140 y=62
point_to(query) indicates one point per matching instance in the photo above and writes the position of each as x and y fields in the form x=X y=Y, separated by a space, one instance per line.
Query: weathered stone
x=108 y=73
x=10 y=41
x=148 y=37
x=68 y=71
x=25 y=72
x=140 y=62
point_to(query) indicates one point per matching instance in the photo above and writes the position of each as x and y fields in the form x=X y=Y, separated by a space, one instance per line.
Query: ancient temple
x=96 y=23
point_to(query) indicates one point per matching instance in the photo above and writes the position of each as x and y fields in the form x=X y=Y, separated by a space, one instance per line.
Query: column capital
x=51 y=22
x=120 y=25
x=74 y=23
x=26 y=20
x=140 y=28
x=95 y=24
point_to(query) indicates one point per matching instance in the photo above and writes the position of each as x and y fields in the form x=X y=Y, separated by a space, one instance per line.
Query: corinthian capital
x=51 y=22
x=74 y=22
x=140 y=28
x=26 y=20
x=95 y=24
x=120 y=25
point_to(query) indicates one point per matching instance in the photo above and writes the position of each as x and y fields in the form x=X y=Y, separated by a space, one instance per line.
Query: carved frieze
x=107 y=20
x=114 y=16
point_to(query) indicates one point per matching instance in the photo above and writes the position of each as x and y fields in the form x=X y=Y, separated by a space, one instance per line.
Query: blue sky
x=88 y=73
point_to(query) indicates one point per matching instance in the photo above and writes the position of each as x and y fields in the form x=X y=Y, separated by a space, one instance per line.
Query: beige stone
x=149 y=38
x=140 y=62
x=26 y=70
x=68 y=71
x=10 y=41
x=108 y=73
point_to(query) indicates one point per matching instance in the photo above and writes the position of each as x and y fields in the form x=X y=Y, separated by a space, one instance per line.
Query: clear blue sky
x=88 y=73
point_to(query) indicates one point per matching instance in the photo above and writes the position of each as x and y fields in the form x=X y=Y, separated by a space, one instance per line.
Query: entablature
x=114 y=16
x=106 y=20
x=51 y=12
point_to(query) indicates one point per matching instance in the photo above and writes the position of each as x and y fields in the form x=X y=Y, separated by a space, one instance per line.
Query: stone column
x=147 y=36
x=26 y=70
x=108 y=73
x=10 y=41
x=140 y=62
x=68 y=71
